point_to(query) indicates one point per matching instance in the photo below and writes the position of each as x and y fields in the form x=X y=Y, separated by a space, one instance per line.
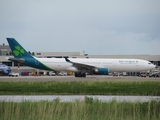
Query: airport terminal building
x=6 y=52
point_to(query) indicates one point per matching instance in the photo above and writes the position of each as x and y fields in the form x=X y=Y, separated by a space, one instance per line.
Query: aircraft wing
x=81 y=66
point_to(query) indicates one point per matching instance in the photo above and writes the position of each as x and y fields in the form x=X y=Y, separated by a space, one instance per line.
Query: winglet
x=67 y=60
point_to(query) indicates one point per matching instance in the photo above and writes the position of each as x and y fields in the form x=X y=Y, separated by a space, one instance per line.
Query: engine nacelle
x=101 y=71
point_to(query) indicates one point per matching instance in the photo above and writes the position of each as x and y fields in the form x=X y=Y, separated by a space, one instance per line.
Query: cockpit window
x=149 y=63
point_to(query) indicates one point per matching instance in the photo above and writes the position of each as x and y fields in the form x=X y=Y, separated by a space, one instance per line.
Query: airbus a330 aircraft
x=77 y=65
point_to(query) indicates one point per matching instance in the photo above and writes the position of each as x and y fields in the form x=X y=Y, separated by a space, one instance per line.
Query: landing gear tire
x=83 y=75
x=80 y=75
x=76 y=75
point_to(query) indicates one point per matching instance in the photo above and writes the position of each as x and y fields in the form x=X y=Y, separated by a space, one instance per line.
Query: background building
x=6 y=52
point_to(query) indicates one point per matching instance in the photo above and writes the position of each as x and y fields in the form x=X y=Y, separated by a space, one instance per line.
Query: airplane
x=80 y=66
x=4 y=70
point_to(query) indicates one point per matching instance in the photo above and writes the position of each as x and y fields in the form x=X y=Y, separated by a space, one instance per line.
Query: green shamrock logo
x=18 y=51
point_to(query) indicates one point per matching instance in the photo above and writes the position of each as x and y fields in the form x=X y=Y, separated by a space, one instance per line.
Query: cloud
x=98 y=27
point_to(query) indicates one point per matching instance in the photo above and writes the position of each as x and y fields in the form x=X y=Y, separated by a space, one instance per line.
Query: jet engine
x=101 y=71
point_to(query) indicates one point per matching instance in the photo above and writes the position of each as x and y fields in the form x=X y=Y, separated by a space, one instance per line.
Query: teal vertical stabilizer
x=22 y=56
x=17 y=50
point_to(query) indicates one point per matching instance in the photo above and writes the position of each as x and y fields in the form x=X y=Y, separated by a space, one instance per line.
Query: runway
x=71 y=98
x=72 y=78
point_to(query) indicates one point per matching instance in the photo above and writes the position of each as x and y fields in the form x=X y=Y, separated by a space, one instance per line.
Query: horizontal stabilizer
x=19 y=60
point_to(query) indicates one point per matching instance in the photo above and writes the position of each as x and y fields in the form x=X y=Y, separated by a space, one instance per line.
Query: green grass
x=80 y=88
x=88 y=109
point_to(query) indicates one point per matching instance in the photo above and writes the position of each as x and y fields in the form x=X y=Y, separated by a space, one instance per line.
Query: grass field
x=88 y=109
x=145 y=88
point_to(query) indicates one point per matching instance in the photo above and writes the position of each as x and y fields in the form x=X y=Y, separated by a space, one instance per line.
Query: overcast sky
x=98 y=27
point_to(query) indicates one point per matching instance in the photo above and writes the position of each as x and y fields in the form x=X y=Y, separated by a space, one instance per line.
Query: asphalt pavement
x=72 y=78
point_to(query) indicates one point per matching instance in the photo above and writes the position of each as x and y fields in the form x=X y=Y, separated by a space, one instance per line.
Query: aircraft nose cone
x=154 y=66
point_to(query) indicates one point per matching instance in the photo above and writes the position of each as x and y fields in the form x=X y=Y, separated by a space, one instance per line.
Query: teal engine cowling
x=101 y=71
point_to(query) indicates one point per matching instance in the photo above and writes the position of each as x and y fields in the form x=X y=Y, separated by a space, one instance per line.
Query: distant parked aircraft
x=79 y=66
x=4 y=69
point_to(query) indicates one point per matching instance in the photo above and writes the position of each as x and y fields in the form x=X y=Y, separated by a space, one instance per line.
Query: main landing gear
x=80 y=74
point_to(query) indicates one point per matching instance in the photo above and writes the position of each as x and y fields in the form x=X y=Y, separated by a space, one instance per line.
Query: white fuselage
x=114 y=65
